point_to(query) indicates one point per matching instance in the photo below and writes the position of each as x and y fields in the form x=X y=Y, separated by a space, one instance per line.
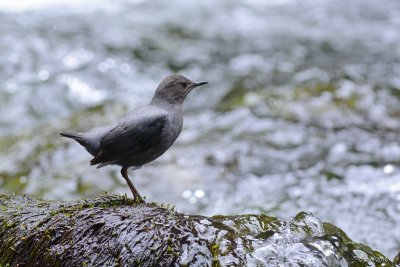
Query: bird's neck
x=175 y=111
x=170 y=96
x=166 y=103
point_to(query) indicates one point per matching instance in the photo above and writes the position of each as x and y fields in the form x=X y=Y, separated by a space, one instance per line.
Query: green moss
x=312 y=91
x=181 y=32
x=351 y=251
x=332 y=176
x=396 y=259
x=171 y=251
x=330 y=229
x=235 y=97
x=8 y=141
x=300 y=93
x=215 y=252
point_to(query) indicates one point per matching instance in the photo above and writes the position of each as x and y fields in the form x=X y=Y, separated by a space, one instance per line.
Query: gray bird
x=144 y=134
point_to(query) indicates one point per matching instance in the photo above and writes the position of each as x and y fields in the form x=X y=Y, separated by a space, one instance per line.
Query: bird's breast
x=176 y=122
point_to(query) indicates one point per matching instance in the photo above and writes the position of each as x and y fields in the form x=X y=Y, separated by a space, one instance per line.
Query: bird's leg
x=135 y=193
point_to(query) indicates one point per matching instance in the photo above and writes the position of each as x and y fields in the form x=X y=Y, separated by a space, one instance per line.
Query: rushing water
x=301 y=113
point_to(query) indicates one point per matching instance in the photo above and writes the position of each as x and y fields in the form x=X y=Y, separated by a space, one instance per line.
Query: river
x=301 y=113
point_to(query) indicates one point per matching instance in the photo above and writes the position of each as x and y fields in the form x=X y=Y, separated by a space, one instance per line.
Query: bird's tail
x=73 y=135
x=83 y=139
x=78 y=137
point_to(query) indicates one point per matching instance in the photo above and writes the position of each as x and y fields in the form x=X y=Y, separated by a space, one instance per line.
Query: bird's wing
x=132 y=136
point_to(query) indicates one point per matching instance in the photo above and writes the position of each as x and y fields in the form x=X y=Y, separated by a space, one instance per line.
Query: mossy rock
x=113 y=230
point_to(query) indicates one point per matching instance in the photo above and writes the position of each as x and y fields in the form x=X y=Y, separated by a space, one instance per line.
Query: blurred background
x=302 y=110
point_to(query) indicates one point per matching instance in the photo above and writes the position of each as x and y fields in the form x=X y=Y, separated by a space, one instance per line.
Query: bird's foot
x=136 y=196
x=138 y=199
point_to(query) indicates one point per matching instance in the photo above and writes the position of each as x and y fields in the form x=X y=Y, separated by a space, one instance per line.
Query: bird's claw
x=138 y=199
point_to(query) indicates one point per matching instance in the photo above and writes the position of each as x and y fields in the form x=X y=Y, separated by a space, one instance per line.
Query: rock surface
x=112 y=230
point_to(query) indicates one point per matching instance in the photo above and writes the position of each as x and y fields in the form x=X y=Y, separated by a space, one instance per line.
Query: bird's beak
x=196 y=84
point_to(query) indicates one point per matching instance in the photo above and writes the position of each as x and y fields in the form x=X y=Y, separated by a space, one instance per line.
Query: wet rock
x=396 y=260
x=113 y=230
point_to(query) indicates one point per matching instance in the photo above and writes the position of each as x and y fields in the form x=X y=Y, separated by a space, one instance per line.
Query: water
x=301 y=112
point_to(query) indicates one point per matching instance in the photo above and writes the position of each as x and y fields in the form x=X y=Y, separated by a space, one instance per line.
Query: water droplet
x=44 y=75
x=388 y=169
x=192 y=200
x=199 y=193
x=11 y=86
x=23 y=179
x=186 y=194
x=77 y=58
x=71 y=61
x=107 y=64
x=125 y=68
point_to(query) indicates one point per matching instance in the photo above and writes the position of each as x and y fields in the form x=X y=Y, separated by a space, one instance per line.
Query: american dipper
x=144 y=134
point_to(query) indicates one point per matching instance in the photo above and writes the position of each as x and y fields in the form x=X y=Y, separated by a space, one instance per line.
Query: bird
x=142 y=135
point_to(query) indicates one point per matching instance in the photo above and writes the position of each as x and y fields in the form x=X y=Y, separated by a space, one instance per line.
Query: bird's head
x=174 y=89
